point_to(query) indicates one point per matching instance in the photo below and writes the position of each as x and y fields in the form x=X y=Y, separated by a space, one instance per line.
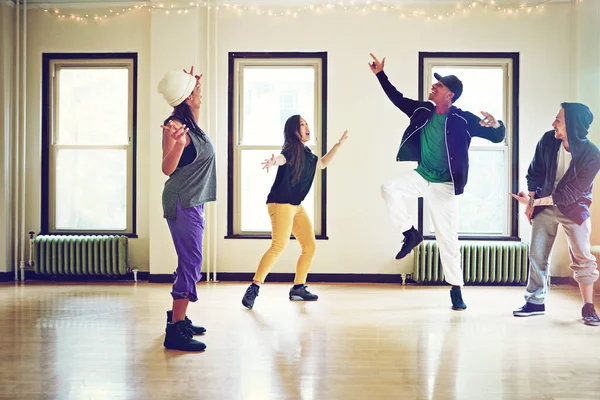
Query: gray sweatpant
x=543 y=234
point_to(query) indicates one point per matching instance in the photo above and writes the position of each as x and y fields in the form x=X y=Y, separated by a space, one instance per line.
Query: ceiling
x=284 y=3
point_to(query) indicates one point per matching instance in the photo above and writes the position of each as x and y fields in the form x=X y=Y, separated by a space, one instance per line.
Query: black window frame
x=47 y=59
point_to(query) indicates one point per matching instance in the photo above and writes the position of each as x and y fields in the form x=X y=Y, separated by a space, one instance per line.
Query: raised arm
x=406 y=105
x=273 y=161
x=174 y=140
x=327 y=158
x=488 y=127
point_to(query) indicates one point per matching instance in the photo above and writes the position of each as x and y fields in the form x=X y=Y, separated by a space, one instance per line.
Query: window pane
x=272 y=95
x=483 y=205
x=93 y=106
x=91 y=189
x=483 y=90
x=255 y=186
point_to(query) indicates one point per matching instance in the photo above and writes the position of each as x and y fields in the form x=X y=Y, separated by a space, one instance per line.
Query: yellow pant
x=287 y=219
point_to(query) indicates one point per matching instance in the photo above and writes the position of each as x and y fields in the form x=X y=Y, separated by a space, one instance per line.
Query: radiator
x=486 y=263
x=80 y=255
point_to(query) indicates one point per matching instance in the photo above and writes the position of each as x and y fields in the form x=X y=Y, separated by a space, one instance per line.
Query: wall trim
x=246 y=277
x=289 y=278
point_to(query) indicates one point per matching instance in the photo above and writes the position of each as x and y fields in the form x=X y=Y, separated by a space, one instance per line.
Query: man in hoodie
x=560 y=180
x=438 y=138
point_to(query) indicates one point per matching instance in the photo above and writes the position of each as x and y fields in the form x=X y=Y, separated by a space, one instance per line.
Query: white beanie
x=176 y=86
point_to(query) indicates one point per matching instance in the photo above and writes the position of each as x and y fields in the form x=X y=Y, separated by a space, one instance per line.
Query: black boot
x=457 y=301
x=178 y=337
x=194 y=329
x=412 y=238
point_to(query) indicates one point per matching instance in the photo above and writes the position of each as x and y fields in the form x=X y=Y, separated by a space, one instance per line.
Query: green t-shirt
x=434 y=156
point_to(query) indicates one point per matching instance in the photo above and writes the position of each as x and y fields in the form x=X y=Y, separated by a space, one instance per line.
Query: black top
x=187 y=156
x=189 y=152
x=283 y=191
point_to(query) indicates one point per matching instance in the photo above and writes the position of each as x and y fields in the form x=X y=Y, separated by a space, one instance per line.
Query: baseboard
x=7 y=276
x=247 y=277
x=563 y=280
x=32 y=276
x=289 y=277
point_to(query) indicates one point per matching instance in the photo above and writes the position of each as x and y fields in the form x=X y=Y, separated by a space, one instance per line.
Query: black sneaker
x=412 y=238
x=250 y=295
x=456 y=296
x=302 y=294
x=194 y=329
x=178 y=337
x=530 y=309
x=589 y=316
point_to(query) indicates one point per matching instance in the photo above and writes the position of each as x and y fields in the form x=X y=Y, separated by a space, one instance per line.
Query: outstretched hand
x=521 y=197
x=177 y=133
x=524 y=198
x=269 y=162
x=376 y=66
x=488 y=120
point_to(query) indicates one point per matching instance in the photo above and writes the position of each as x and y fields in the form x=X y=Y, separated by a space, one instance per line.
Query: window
x=88 y=140
x=490 y=83
x=265 y=89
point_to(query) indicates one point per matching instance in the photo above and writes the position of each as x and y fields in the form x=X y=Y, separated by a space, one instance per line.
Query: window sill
x=129 y=235
x=246 y=236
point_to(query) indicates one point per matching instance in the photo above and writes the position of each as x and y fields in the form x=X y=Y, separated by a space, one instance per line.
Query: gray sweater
x=192 y=184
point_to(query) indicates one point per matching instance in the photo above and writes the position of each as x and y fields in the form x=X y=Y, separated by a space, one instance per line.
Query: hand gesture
x=343 y=138
x=269 y=162
x=192 y=73
x=522 y=197
x=376 y=66
x=177 y=133
x=488 y=120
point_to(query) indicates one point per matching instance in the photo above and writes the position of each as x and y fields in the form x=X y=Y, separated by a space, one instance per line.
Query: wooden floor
x=97 y=341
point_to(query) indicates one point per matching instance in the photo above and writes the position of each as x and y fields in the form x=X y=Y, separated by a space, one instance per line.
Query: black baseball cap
x=452 y=83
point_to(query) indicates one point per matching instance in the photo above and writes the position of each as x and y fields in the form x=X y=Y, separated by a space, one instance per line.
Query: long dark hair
x=293 y=147
x=183 y=113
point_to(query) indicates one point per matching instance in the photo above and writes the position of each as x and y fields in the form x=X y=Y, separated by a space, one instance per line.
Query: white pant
x=443 y=206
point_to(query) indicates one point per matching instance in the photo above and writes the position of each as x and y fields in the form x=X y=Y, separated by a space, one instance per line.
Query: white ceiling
x=284 y=3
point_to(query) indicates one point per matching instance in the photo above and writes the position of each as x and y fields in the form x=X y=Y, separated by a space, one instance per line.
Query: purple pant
x=187 y=231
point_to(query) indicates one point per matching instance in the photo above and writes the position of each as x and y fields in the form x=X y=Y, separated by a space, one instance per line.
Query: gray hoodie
x=573 y=194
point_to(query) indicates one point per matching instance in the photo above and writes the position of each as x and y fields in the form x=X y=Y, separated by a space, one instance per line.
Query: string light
x=368 y=6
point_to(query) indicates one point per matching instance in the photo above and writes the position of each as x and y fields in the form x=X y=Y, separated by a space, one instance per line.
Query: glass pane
x=93 y=106
x=483 y=205
x=255 y=187
x=91 y=189
x=483 y=90
x=271 y=96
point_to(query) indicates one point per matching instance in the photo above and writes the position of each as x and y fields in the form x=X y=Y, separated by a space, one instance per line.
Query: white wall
x=176 y=42
x=584 y=54
x=7 y=30
x=361 y=238
x=587 y=56
x=128 y=33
